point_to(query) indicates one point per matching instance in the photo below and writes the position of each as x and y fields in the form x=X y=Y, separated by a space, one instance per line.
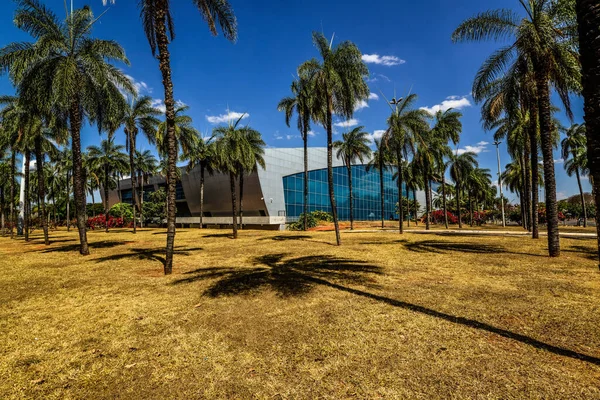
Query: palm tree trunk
x=233 y=204
x=588 y=17
x=400 y=205
x=470 y=210
x=241 y=199
x=13 y=216
x=140 y=180
x=68 y=205
x=201 y=195
x=528 y=187
x=118 y=179
x=106 y=209
x=78 y=176
x=533 y=144
x=382 y=190
x=350 y=196
x=444 y=198
x=26 y=207
x=2 y=211
x=583 y=207
x=54 y=209
x=548 y=158
x=407 y=208
x=133 y=178
x=427 y=203
x=162 y=42
x=305 y=139
x=329 y=129
x=416 y=208
x=39 y=161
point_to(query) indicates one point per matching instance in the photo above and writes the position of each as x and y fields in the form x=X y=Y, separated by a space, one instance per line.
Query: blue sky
x=407 y=46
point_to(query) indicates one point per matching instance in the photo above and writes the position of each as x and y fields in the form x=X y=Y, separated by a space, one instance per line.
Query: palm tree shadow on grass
x=286 y=277
x=300 y=275
x=155 y=254
x=440 y=246
x=103 y=244
x=583 y=251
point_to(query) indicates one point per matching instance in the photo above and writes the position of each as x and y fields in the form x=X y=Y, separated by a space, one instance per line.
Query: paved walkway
x=478 y=232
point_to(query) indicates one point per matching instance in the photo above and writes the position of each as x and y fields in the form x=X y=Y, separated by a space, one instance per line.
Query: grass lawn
x=283 y=315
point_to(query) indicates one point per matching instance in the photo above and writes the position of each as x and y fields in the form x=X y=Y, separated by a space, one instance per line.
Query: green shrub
x=299 y=226
x=321 y=216
x=122 y=210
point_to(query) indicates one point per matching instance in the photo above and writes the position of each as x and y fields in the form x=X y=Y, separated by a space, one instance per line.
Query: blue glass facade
x=365 y=185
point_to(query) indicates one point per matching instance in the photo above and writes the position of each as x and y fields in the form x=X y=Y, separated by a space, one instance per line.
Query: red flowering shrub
x=100 y=222
x=437 y=217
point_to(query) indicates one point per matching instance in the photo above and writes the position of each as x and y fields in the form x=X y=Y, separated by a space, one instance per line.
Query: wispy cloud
x=360 y=105
x=227 y=117
x=373 y=96
x=312 y=133
x=377 y=134
x=376 y=77
x=388 y=61
x=480 y=147
x=141 y=87
x=559 y=161
x=454 y=102
x=159 y=104
x=347 y=124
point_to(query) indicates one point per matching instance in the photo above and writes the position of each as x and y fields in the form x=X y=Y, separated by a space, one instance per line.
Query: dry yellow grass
x=288 y=315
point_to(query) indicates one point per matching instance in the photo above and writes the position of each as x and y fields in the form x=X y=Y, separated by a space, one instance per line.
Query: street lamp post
x=497 y=144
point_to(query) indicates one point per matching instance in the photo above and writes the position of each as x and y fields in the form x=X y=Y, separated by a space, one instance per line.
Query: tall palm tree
x=160 y=31
x=461 y=166
x=71 y=69
x=405 y=126
x=146 y=165
x=588 y=18
x=139 y=115
x=232 y=155
x=380 y=163
x=353 y=146
x=300 y=102
x=338 y=84
x=203 y=156
x=447 y=126
x=544 y=38
x=186 y=135
x=107 y=158
x=254 y=149
x=478 y=183
x=573 y=153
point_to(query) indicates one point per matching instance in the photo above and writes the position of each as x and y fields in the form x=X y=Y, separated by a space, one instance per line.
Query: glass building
x=274 y=196
x=365 y=186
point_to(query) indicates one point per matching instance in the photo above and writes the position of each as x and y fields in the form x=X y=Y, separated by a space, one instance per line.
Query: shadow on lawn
x=287 y=277
x=441 y=246
x=298 y=276
x=155 y=254
x=104 y=244
x=583 y=251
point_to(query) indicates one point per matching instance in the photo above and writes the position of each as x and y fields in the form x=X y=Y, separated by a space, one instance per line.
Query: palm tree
x=461 y=166
x=353 y=147
x=107 y=158
x=573 y=153
x=70 y=69
x=145 y=165
x=233 y=155
x=186 y=135
x=338 y=84
x=160 y=31
x=140 y=114
x=588 y=18
x=254 y=151
x=413 y=182
x=380 y=163
x=301 y=102
x=478 y=183
x=544 y=38
x=202 y=156
x=447 y=127
x=405 y=126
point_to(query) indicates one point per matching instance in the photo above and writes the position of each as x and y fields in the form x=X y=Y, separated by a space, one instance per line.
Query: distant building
x=274 y=196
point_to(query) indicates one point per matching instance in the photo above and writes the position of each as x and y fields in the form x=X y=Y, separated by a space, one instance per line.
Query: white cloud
x=347 y=124
x=312 y=133
x=373 y=96
x=160 y=105
x=228 y=117
x=278 y=137
x=388 y=61
x=450 y=102
x=376 y=135
x=375 y=78
x=559 y=161
x=561 y=195
x=360 y=105
x=290 y=137
x=480 y=147
x=140 y=86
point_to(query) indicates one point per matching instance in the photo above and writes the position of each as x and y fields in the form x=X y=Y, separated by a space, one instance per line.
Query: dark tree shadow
x=583 y=251
x=165 y=232
x=440 y=246
x=285 y=277
x=52 y=241
x=286 y=237
x=219 y=235
x=155 y=254
x=104 y=244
